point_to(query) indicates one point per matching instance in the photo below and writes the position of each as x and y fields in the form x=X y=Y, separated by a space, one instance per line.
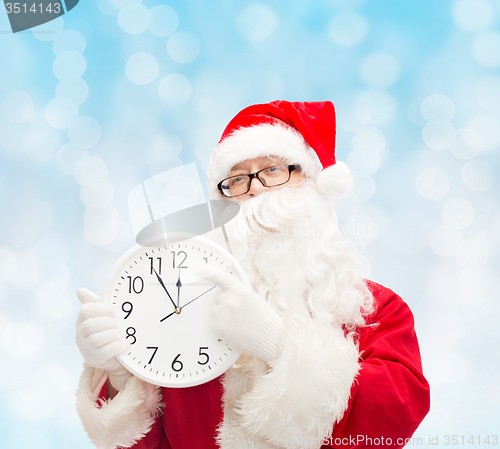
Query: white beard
x=297 y=259
x=290 y=245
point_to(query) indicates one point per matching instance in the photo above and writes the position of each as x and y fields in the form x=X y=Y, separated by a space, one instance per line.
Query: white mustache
x=272 y=211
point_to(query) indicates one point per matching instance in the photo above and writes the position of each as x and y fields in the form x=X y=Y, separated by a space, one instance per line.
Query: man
x=329 y=359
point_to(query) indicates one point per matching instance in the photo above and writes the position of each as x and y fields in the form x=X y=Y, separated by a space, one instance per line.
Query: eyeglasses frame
x=251 y=176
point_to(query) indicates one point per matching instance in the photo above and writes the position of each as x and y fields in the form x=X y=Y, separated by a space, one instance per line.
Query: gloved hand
x=99 y=339
x=243 y=319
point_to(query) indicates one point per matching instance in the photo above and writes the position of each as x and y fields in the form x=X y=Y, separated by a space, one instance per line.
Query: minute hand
x=198 y=296
x=165 y=288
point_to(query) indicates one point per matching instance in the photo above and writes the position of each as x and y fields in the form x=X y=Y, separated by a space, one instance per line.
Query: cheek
x=296 y=177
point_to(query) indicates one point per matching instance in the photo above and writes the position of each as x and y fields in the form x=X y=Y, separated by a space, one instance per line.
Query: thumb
x=85 y=296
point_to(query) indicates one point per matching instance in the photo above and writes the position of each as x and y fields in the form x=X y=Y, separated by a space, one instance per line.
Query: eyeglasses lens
x=269 y=177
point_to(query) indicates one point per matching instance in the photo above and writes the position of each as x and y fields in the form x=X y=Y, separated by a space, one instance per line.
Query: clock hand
x=165 y=288
x=168 y=316
x=179 y=285
x=198 y=297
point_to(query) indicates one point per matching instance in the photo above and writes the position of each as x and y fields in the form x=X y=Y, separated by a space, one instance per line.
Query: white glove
x=99 y=339
x=244 y=320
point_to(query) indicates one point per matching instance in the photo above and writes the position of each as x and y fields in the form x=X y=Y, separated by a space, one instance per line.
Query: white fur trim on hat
x=335 y=181
x=258 y=141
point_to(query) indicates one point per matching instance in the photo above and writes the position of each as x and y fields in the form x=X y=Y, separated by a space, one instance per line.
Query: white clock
x=164 y=308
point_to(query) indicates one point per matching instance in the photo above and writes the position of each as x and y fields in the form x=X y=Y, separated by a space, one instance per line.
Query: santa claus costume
x=346 y=369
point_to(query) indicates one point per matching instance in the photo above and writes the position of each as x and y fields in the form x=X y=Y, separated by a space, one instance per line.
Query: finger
x=104 y=357
x=85 y=296
x=95 y=325
x=114 y=349
x=94 y=310
x=220 y=278
x=206 y=271
x=107 y=338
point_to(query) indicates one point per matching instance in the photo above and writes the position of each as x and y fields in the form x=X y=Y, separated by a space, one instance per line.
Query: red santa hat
x=299 y=132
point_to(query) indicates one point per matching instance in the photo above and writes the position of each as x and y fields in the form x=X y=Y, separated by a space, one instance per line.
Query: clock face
x=164 y=309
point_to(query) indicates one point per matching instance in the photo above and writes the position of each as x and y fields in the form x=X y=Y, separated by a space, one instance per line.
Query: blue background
x=112 y=93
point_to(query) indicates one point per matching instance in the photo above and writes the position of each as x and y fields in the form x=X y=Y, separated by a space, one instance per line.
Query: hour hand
x=164 y=288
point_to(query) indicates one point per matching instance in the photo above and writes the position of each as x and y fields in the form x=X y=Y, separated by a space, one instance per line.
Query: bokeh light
x=364 y=186
x=161 y=148
x=142 y=68
x=473 y=15
x=446 y=240
x=61 y=112
x=257 y=22
x=138 y=43
x=488 y=128
x=488 y=93
x=354 y=118
x=69 y=40
x=370 y=137
x=84 y=132
x=69 y=65
x=379 y=70
x=458 y=213
x=467 y=144
x=380 y=105
x=92 y=193
x=174 y=89
x=414 y=113
x=67 y=157
x=76 y=89
x=432 y=184
x=107 y=8
x=99 y=230
x=90 y=170
x=17 y=106
x=437 y=107
x=486 y=49
x=183 y=47
x=101 y=209
x=119 y=4
x=52 y=303
x=364 y=159
x=347 y=29
x=438 y=134
x=478 y=175
x=39 y=142
x=24 y=340
x=134 y=18
x=164 y=20
x=473 y=252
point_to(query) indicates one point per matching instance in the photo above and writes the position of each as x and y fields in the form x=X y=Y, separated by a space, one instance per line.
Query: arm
x=131 y=413
x=390 y=396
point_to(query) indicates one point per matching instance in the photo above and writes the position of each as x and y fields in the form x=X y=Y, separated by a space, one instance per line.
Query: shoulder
x=386 y=303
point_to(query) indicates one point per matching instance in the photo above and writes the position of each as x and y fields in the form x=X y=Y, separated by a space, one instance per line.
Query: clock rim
x=107 y=298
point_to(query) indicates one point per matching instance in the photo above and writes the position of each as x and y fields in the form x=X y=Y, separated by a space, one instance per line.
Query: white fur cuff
x=266 y=343
x=120 y=421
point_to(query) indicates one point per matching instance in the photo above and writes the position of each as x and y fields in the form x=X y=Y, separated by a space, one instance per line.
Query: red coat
x=389 y=397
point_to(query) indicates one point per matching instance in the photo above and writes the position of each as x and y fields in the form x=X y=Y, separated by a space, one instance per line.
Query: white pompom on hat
x=299 y=132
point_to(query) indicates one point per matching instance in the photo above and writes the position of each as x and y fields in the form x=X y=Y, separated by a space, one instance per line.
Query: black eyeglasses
x=269 y=177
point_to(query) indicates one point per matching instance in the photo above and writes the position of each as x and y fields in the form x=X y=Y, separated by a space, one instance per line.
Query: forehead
x=258 y=162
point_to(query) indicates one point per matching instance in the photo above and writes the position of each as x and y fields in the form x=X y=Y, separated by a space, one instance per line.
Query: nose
x=256 y=187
